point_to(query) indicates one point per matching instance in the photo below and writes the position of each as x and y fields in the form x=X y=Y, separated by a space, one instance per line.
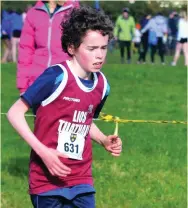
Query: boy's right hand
x=51 y=159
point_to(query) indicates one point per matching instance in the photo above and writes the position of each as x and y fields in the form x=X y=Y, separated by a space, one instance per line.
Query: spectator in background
x=123 y=32
x=172 y=31
x=157 y=27
x=144 y=39
x=112 y=45
x=112 y=42
x=29 y=6
x=40 y=42
x=6 y=35
x=182 y=39
x=137 y=38
x=16 y=27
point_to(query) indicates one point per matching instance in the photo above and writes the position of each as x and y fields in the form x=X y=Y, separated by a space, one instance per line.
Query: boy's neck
x=73 y=64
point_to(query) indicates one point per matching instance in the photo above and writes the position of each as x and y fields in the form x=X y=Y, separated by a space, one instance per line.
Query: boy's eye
x=103 y=48
x=90 y=49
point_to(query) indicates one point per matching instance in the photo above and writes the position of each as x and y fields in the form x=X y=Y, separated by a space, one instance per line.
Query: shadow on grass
x=17 y=166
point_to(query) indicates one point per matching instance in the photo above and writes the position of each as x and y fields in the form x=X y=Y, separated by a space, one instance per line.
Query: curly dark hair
x=79 y=21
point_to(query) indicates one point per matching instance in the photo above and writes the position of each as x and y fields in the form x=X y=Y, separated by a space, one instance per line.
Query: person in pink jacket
x=40 y=42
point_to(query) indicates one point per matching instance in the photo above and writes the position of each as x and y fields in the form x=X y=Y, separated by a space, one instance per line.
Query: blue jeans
x=80 y=201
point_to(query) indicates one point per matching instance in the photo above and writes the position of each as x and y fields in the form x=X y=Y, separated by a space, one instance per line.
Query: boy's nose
x=99 y=54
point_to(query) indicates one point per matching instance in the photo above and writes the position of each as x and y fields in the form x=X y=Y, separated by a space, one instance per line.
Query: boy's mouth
x=97 y=63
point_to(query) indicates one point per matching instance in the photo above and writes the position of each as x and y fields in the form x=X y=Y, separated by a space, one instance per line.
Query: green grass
x=151 y=171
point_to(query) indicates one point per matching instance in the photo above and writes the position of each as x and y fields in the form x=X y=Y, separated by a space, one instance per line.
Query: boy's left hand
x=113 y=144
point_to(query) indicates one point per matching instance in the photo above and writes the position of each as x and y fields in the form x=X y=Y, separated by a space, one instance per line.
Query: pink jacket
x=40 y=42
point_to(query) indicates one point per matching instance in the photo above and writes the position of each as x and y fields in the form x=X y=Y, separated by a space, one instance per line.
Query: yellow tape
x=116 y=127
x=110 y=118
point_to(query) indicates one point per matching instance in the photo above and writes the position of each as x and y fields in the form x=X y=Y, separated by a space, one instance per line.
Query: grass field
x=151 y=172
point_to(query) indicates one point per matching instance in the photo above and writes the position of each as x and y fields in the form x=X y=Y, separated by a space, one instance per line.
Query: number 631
x=70 y=148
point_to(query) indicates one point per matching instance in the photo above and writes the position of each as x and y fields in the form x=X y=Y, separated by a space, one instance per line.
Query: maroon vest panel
x=73 y=109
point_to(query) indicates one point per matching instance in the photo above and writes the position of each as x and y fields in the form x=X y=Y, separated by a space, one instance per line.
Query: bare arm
x=112 y=143
x=96 y=134
x=16 y=116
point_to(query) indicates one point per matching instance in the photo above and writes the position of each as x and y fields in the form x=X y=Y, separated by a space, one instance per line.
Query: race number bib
x=71 y=144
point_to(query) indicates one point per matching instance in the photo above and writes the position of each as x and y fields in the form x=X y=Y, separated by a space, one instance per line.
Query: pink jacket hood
x=40 y=42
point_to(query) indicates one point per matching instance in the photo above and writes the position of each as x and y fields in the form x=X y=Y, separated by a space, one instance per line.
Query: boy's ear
x=71 y=49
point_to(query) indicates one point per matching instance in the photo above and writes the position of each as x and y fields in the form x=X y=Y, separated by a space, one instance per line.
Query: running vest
x=63 y=122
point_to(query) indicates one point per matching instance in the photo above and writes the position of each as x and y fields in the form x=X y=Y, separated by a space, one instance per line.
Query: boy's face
x=92 y=51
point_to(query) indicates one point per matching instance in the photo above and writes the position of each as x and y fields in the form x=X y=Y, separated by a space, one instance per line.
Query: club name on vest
x=79 y=116
x=78 y=127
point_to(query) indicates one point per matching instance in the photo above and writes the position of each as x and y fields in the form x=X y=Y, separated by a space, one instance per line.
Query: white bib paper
x=71 y=144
